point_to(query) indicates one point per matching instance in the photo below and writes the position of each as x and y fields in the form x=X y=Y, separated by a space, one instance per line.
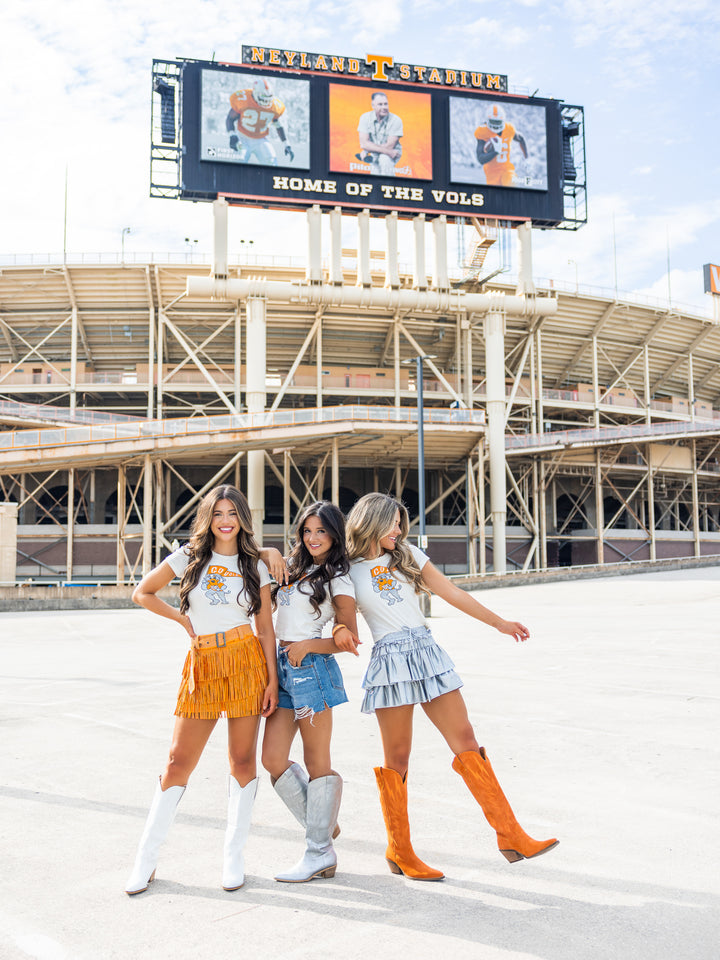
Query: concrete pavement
x=602 y=730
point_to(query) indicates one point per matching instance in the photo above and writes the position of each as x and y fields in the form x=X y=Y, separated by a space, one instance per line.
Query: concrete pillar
x=91 y=496
x=151 y=349
x=313 y=271
x=159 y=499
x=481 y=505
x=147 y=514
x=70 y=543
x=691 y=387
x=695 y=501
x=599 y=509
x=335 y=473
x=120 y=545
x=419 y=270
x=220 y=237
x=336 y=270
x=392 y=269
x=8 y=541
x=495 y=378
x=526 y=285
x=467 y=331
x=319 y=365
x=441 y=278
x=364 y=278
x=237 y=359
x=539 y=375
x=286 y=502
x=160 y=365
x=596 y=384
x=73 y=359
x=256 y=396
x=396 y=360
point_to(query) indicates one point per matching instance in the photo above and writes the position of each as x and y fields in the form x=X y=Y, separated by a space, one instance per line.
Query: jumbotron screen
x=286 y=133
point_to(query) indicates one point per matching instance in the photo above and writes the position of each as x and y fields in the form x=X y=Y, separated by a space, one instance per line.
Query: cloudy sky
x=75 y=94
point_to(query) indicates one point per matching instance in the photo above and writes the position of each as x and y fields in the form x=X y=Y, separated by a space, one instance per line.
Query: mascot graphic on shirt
x=214 y=586
x=284 y=595
x=384 y=584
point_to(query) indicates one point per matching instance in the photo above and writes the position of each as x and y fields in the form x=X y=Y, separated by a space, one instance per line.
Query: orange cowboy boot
x=514 y=844
x=400 y=855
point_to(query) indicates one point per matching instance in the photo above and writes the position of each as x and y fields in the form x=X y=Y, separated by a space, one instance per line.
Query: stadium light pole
x=422 y=536
x=574 y=263
x=125 y=230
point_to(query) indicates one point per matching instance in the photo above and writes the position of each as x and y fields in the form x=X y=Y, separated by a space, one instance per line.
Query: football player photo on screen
x=248 y=118
x=497 y=143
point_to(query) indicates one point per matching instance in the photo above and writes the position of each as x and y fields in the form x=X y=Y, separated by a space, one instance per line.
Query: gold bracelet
x=338 y=626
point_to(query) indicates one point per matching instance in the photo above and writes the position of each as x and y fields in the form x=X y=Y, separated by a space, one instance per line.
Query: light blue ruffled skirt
x=407 y=667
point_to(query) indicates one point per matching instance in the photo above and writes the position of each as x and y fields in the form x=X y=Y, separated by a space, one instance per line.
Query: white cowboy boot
x=323 y=804
x=240 y=804
x=159 y=820
x=291 y=787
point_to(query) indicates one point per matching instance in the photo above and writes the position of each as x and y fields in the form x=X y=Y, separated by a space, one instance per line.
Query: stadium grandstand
x=125 y=394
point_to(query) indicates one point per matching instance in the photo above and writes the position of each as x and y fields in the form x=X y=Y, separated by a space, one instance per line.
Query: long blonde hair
x=202 y=540
x=372 y=517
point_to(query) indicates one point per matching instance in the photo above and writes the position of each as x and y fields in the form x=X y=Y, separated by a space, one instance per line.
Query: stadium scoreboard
x=287 y=129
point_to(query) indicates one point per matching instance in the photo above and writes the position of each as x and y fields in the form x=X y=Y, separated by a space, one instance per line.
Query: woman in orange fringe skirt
x=230 y=670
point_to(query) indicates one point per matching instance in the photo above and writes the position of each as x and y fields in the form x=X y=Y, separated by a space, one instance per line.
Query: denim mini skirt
x=317 y=683
x=407 y=667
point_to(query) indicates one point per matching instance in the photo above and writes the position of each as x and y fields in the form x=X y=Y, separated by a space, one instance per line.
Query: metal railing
x=141 y=429
x=37 y=411
x=569 y=438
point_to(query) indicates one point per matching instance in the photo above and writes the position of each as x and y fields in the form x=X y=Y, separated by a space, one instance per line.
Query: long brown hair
x=372 y=517
x=202 y=540
x=315 y=584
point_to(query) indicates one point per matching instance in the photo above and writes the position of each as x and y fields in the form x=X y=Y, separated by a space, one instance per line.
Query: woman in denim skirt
x=407 y=667
x=318 y=589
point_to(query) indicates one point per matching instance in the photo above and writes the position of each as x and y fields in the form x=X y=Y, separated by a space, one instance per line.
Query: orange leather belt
x=222 y=638
x=216 y=640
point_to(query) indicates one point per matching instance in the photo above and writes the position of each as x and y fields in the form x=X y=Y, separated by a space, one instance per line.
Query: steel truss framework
x=128 y=340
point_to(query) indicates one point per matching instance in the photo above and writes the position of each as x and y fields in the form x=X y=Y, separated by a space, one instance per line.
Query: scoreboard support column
x=256 y=397
x=495 y=373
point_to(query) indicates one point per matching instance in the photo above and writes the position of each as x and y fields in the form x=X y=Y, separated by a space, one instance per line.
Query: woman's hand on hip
x=296 y=652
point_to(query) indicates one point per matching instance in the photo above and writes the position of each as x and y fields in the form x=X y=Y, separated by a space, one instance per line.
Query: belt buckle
x=224 y=639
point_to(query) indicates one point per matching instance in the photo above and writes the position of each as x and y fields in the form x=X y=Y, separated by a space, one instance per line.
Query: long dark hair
x=300 y=561
x=202 y=540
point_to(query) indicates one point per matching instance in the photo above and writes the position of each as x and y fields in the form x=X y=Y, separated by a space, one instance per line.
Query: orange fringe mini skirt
x=225 y=675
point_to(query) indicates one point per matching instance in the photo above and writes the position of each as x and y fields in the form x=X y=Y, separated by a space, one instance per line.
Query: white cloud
x=685 y=287
x=634 y=37
x=490 y=30
x=373 y=22
x=618 y=241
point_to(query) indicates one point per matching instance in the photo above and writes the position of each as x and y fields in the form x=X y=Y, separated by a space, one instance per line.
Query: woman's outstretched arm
x=444 y=588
